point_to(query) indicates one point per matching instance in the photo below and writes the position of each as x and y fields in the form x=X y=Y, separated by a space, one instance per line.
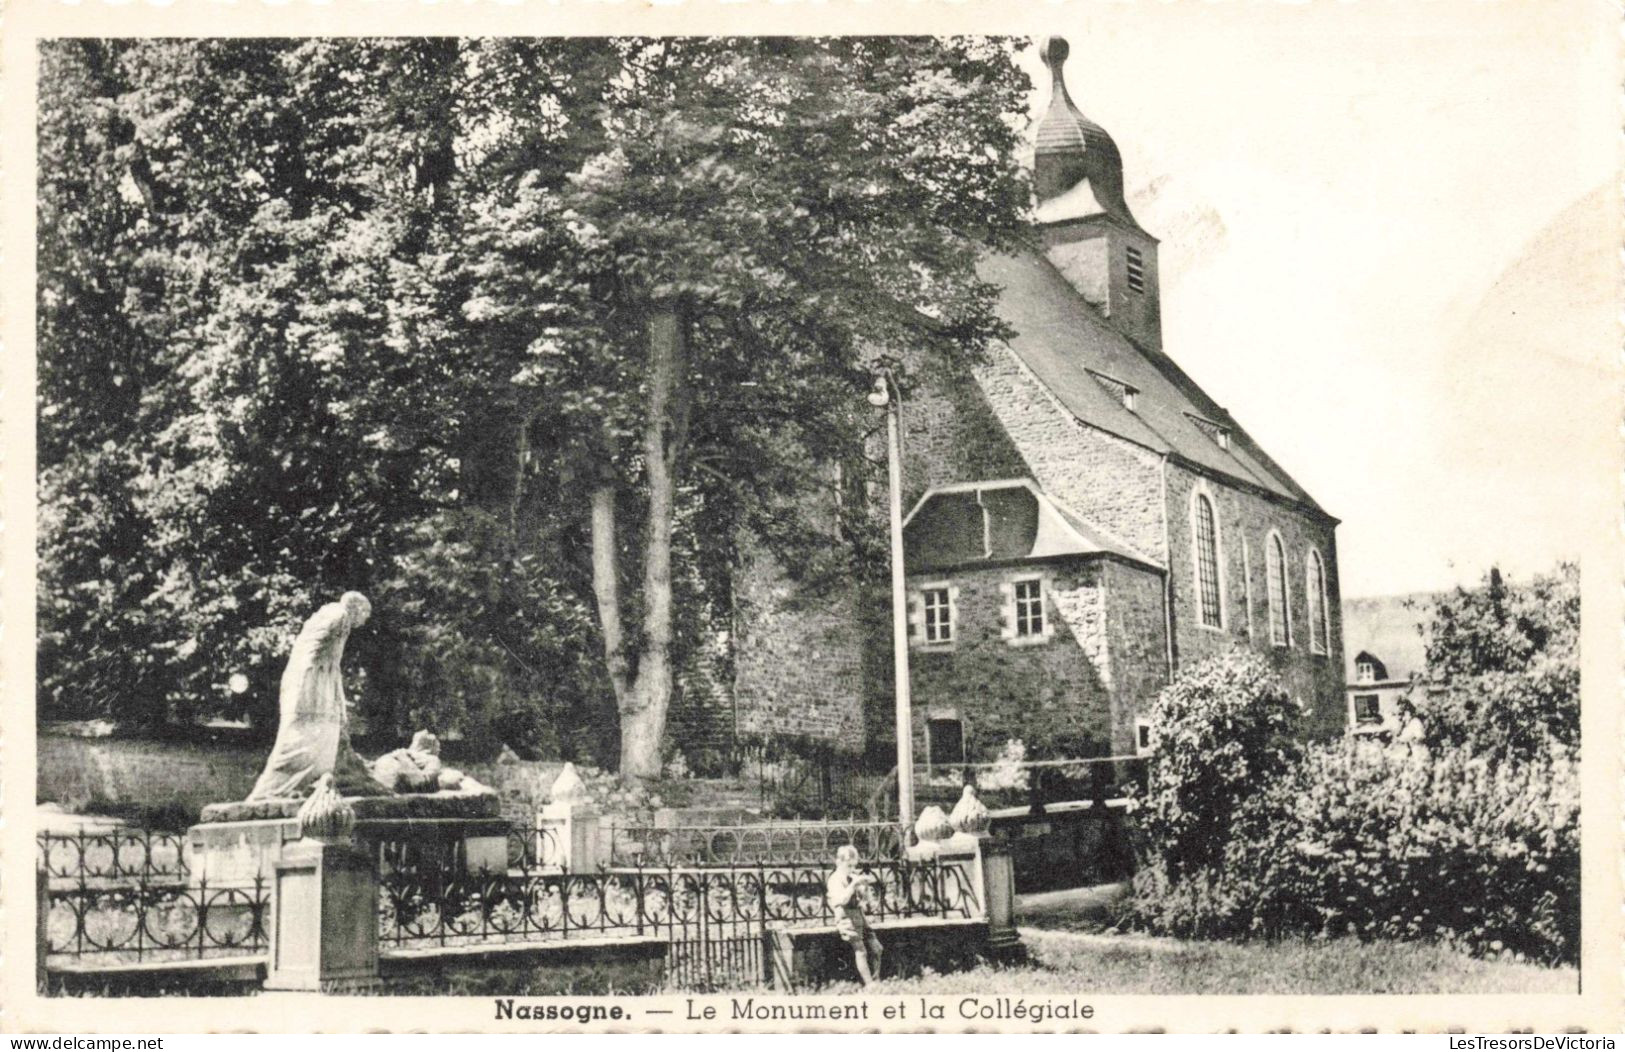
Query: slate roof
x=998 y=522
x=1386 y=627
x=1061 y=338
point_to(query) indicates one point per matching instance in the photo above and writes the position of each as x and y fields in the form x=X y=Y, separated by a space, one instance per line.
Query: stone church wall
x=1314 y=678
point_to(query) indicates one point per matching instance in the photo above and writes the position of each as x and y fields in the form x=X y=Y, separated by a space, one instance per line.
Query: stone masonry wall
x=1136 y=631
x=1115 y=484
x=1314 y=678
x=951 y=435
x=1035 y=692
x=798 y=665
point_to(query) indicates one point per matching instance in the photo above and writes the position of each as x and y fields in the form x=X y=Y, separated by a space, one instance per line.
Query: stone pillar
x=992 y=873
x=998 y=889
x=578 y=828
x=324 y=903
x=42 y=921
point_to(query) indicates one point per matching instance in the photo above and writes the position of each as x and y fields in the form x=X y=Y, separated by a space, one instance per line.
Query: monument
x=408 y=807
x=313 y=731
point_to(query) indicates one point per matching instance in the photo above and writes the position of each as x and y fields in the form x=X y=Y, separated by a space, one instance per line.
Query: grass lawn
x=1074 y=962
x=1068 y=951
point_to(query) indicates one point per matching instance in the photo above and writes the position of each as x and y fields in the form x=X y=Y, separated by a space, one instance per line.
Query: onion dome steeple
x=1072 y=149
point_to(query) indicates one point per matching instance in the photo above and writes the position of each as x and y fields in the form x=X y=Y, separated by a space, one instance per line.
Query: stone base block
x=805 y=958
x=324 y=919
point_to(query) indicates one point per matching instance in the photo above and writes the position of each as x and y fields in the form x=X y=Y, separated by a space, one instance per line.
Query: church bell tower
x=1085 y=224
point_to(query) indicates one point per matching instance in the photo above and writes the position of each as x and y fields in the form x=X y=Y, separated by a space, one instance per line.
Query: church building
x=1083 y=521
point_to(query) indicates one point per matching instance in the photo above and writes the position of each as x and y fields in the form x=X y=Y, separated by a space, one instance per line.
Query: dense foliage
x=1503 y=664
x=1222 y=734
x=1468 y=834
x=388 y=315
x=1391 y=841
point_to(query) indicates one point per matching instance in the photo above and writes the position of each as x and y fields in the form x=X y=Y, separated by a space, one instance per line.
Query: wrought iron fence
x=771 y=843
x=714 y=919
x=1033 y=783
x=146 y=921
x=117 y=855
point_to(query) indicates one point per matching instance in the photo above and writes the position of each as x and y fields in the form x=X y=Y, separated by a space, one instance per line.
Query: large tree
x=1503 y=666
x=520 y=334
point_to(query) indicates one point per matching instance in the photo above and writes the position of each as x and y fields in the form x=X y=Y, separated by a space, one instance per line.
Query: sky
x=1389 y=236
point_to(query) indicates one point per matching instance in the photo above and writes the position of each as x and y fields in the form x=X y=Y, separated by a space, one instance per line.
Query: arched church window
x=1275 y=572
x=1318 y=628
x=1207 y=562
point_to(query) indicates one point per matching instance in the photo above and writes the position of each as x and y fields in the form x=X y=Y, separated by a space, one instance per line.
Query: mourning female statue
x=313 y=737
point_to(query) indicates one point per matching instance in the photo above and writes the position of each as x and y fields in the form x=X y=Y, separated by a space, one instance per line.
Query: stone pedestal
x=573 y=837
x=997 y=887
x=324 y=918
x=570 y=832
x=235 y=843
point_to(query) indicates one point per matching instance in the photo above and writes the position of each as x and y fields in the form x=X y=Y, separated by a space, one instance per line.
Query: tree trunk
x=644 y=708
x=606 y=586
x=643 y=686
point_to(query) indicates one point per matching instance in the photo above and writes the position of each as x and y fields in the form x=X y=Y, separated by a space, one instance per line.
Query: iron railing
x=118 y=855
x=144 y=921
x=676 y=904
x=772 y=843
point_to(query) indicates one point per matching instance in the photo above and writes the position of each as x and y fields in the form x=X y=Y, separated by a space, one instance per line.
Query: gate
x=717 y=931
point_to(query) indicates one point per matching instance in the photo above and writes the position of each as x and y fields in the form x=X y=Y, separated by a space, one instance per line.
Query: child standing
x=850 y=923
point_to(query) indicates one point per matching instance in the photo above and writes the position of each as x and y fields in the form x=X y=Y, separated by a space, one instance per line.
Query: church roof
x=1076 y=354
x=998 y=522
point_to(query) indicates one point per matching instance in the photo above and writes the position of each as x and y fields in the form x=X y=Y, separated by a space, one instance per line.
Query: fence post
x=42 y=932
x=579 y=829
x=998 y=894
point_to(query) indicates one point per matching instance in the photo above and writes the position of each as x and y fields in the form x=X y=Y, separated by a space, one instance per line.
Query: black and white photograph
x=914 y=519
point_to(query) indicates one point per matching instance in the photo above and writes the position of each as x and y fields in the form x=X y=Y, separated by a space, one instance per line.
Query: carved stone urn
x=970 y=816
x=326 y=817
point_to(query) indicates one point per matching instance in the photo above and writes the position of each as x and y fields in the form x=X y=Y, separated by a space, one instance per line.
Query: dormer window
x=1124 y=393
x=1136 y=269
x=1365 y=672
x=1217 y=432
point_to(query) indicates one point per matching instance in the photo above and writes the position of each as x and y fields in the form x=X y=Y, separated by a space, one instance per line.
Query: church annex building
x=1082 y=521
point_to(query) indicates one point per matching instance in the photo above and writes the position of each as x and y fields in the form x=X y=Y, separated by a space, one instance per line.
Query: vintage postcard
x=893 y=516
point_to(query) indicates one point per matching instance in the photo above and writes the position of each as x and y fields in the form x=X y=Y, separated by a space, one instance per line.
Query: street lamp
x=887 y=396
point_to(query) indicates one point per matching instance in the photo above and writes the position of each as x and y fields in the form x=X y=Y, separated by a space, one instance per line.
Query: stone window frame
x=1247 y=583
x=916 y=616
x=1312 y=590
x=1007 y=589
x=1275 y=546
x=1202 y=492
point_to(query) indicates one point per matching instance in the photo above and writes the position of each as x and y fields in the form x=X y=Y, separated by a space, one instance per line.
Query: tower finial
x=1054 y=55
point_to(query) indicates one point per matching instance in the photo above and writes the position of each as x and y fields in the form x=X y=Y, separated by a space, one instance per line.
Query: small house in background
x=1386 y=655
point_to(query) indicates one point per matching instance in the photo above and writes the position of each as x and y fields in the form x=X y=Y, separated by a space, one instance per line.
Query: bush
x=1222 y=734
x=1393 y=842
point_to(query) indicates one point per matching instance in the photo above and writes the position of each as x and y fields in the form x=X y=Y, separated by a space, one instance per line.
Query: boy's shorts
x=854 y=929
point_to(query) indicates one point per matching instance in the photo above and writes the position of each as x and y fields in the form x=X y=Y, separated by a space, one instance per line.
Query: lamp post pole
x=886 y=394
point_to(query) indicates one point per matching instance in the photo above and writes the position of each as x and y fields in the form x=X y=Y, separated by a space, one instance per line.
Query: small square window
x=1029 y=608
x=1142 y=736
x=939 y=621
x=1367 y=709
